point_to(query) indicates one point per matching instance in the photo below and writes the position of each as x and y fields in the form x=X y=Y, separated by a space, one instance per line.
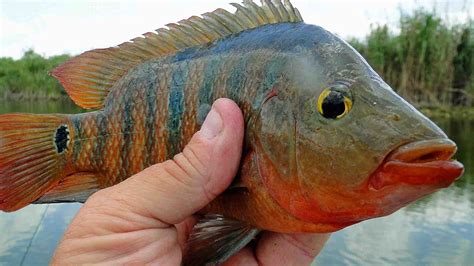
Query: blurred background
x=423 y=49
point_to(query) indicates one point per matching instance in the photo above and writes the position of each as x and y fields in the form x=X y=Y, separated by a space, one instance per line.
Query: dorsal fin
x=89 y=77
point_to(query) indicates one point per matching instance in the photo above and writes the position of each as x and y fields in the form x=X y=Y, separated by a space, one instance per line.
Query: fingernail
x=212 y=126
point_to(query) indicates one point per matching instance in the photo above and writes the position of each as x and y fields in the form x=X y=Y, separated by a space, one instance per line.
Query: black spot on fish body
x=61 y=138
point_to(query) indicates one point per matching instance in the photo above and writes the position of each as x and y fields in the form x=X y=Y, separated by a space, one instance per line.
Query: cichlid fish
x=328 y=143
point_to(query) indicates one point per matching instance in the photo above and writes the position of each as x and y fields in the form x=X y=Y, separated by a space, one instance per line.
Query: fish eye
x=333 y=103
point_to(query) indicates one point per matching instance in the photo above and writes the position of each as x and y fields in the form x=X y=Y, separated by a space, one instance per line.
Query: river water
x=436 y=230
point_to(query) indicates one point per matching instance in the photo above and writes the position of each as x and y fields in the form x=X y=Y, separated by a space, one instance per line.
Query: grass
x=27 y=78
x=428 y=62
x=449 y=112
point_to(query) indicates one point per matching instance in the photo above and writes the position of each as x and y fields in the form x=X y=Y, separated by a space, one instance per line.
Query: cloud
x=55 y=27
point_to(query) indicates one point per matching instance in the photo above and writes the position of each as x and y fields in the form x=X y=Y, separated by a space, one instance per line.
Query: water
x=437 y=230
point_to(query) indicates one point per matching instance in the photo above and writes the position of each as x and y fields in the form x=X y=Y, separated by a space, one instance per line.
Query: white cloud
x=54 y=27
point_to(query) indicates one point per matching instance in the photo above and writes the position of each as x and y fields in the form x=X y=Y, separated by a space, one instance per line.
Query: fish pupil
x=333 y=105
x=61 y=139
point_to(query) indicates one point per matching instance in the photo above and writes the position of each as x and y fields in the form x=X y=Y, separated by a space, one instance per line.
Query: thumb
x=175 y=189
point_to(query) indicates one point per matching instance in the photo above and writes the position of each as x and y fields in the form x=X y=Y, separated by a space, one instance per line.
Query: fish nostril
x=394 y=117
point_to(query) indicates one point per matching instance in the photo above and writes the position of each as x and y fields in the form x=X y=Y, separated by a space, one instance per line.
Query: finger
x=175 y=189
x=184 y=230
x=289 y=249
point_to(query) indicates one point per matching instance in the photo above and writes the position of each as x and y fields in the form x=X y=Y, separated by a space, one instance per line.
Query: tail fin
x=32 y=157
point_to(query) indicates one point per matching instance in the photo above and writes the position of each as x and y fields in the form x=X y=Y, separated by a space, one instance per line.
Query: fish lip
x=424 y=151
x=419 y=163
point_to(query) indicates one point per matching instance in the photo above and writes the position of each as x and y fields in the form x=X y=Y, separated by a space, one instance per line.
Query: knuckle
x=194 y=166
x=173 y=170
x=198 y=161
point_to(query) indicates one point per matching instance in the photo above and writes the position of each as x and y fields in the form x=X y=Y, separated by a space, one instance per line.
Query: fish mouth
x=426 y=162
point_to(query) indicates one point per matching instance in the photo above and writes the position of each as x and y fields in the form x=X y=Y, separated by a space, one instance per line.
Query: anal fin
x=73 y=188
x=216 y=238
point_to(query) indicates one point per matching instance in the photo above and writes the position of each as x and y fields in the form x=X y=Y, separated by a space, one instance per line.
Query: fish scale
x=112 y=146
x=183 y=91
x=150 y=118
x=132 y=157
x=137 y=145
x=319 y=154
x=189 y=119
x=176 y=107
x=178 y=74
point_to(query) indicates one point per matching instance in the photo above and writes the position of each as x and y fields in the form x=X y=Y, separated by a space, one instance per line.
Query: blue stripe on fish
x=176 y=107
x=127 y=130
x=211 y=71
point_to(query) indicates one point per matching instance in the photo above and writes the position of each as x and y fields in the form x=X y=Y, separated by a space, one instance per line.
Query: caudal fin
x=32 y=157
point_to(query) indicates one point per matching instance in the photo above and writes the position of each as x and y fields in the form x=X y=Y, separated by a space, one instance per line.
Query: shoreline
x=449 y=112
x=8 y=96
x=435 y=112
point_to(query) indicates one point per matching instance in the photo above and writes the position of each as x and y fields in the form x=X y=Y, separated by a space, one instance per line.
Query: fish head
x=338 y=146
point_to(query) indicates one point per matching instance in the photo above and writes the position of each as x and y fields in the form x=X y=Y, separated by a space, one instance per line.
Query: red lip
x=426 y=162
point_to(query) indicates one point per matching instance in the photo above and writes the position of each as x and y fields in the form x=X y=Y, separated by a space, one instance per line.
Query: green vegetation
x=455 y=112
x=27 y=78
x=428 y=62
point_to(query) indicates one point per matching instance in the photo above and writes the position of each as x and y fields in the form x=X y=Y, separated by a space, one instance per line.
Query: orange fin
x=73 y=188
x=89 y=77
x=32 y=156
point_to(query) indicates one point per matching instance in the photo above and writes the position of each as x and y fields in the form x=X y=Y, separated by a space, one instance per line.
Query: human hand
x=147 y=218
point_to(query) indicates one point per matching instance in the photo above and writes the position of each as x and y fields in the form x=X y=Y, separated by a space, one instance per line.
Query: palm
x=114 y=238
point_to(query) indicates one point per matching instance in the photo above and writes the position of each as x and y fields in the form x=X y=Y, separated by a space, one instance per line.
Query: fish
x=328 y=143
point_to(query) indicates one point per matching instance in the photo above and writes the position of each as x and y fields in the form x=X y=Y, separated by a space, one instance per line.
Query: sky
x=74 y=26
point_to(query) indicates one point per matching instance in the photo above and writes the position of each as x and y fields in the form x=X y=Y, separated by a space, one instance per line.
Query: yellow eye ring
x=333 y=104
x=321 y=98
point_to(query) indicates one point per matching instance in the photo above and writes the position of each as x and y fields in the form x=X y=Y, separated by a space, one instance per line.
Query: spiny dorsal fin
x=89 y=77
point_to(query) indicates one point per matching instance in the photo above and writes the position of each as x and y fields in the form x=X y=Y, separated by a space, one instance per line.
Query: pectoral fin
x=215 y=238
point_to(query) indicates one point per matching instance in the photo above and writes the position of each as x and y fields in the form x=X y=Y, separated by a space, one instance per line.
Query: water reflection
x=437 y=230
x=17 y=231
x=30 y=235
x=38 y=107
